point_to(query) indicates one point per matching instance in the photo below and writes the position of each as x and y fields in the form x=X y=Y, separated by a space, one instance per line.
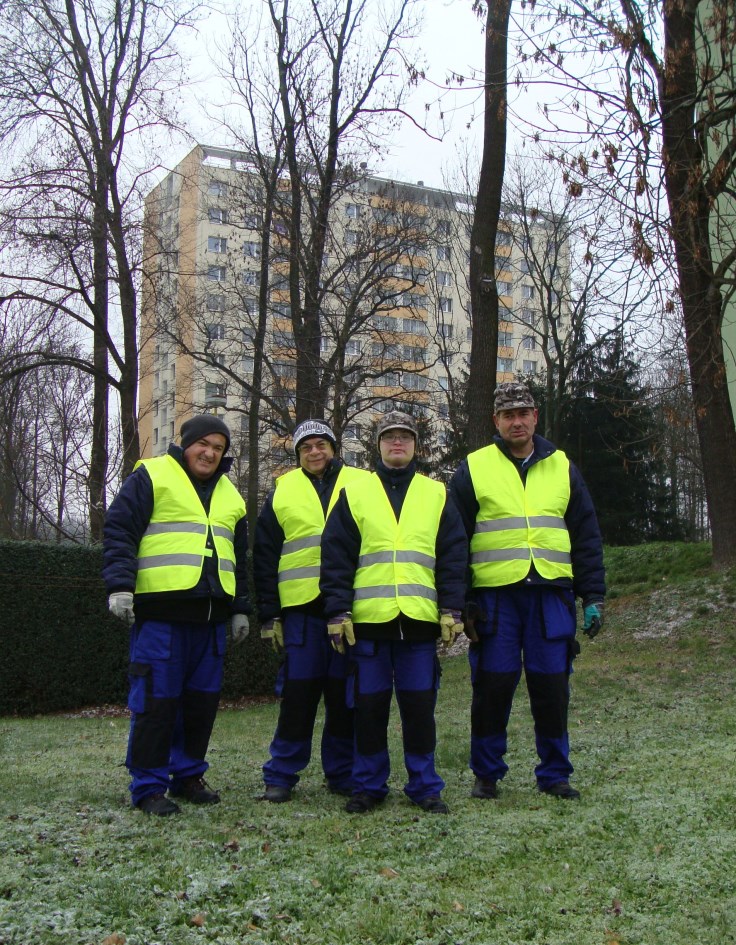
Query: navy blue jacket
x=341 y=542
x=582 y=524
x=125 y=524
x=269 y=542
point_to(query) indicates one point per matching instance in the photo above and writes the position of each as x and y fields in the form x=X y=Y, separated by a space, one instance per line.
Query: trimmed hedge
x=61 y=649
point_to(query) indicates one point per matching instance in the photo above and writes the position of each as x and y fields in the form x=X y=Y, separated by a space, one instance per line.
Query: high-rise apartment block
x=394 y=303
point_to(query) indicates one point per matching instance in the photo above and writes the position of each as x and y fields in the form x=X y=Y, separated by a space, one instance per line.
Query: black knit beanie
x=197 y=427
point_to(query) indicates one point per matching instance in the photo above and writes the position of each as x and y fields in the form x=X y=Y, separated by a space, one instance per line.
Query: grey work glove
x=593 y=618
x=120 y=605
x=451 y=625
x=273 y=630
x=239 y=628
x=340 y=628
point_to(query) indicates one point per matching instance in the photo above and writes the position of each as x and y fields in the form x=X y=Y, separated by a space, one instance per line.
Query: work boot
x=159 y=805
x=277 y=794
x=487 y=790
x=433 y=804
x=561 y=789
x=195 y=790
x=342 y=789
x=362 y=803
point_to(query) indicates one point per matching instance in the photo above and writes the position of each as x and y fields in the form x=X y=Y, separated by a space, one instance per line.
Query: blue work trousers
x=536 y=624
x=175 y=678
x=310 y=671
x=411 y=669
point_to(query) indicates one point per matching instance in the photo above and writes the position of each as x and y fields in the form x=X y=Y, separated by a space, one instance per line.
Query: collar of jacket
x=332 y=471
x=396 y=477
x=542 y=449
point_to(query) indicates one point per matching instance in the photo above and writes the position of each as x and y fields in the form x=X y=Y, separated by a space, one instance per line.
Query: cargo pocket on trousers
x=139 y=676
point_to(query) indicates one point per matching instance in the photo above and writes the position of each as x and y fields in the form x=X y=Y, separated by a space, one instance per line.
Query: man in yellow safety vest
x=394 y=558
x=286 y=565
x=175 y=546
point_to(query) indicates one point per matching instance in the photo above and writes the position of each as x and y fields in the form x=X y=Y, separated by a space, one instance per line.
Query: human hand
x=273 y=630
x=451 y=625
x=340 y=628
x=593 y=618
x=239 y=628
x=120 y=605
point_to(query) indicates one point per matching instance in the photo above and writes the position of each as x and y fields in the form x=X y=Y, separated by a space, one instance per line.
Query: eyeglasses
x=398 y=436
x=318 y=447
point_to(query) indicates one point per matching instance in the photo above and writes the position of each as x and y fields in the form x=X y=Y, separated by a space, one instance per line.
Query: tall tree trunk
x=702 y=304
x=483 y=292
x=99 y=456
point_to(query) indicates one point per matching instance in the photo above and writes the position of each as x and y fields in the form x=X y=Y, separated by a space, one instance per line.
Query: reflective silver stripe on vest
x=388 y=590
x=562 y=557
x=501 y=524
x=297 y=574
x=501 y=554
x=518 y=521
x=223 y=532
x=299 y=544
x=167 y=561
x=226 y=565
x=161 y=528
x=387 y=557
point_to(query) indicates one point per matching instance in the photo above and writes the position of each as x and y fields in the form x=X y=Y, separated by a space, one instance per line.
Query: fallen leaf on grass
x=388 y=872
x=316 y=883
x=458 y=906
x=198 y=920
x=266 y=847
x=232 y=845
x=115 y=939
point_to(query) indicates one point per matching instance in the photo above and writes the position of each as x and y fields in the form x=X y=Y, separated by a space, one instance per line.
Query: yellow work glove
x=273 y=630
x=340 y=628
x=450 y=625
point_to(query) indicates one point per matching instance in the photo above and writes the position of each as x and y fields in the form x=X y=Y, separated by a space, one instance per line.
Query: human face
x=516 y=428
x=203 y=457
x=397 y=448
x=315 y=452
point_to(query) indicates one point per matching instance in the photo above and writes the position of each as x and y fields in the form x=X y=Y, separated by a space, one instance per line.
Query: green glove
x=451 y=625
x=239 y=628
x=273 y=630
x=340 y=628
x=593 y=618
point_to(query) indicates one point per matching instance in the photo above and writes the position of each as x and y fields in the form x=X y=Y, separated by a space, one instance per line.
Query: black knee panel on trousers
x=549 y=696
x=339 y=722
x=371 y=722
x=299 y=703
x=493 y=694
x=417 y=720
x=200 y=709
x=152 y=733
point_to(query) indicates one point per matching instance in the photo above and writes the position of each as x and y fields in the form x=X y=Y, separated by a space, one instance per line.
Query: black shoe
x=487 y=790
x=158 y=804
x=433 y=804
x=561 y=789
x=362 y=803
x=277 y=794
x=195 y=790
x=340 y=789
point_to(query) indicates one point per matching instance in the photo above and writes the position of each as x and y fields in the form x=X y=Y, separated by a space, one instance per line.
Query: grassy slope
x=648 y=855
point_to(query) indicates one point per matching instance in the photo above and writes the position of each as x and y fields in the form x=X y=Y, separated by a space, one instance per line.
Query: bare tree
x=657 y=136
x=79 y=82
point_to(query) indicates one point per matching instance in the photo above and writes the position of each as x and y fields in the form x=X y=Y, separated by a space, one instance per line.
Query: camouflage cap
x=396 y=420
x=511 y=396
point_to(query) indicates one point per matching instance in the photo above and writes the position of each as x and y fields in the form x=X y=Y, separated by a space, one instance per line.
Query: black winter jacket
x=125 y=523
x=585 y=538
x=269 y=542
x=341 y=542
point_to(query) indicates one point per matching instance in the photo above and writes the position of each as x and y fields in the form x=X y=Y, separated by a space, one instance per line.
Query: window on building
x=529 y=343
x=444 y=278
x=155 y=436
x=445 y=330
x=217 y=244
x=252 y=221
x=217 y=188
x=524 y=265
x=352 y=432
x=217 y=274
x=217 y=215
x=444 y=382
x=352 y=211
x=279 y=282
x=503 y=238
x=444 y=228
x=528 y=316
x=445 y=305
x=252 y=277
x=251 y=249
x=283 y=338
x=444 y=411
x=214 y=392
x=414 y=381
x=503 y=287
x=505 y=339
x=351 y=237
x=282 y=310
x=352 y=348
x=413 y=353
x=215 y=303
x=443 y=254
x=155 y=408
x=215 y=331
x=527 y=292
x=284 y=369
x=505 y=365
x=529 y=367
x=352 y=457
x=248 y=364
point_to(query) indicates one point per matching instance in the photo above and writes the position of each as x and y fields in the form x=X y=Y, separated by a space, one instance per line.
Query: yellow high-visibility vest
x=172 y=551
x=299 y=512
x=519 y=523
x=397 y=559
